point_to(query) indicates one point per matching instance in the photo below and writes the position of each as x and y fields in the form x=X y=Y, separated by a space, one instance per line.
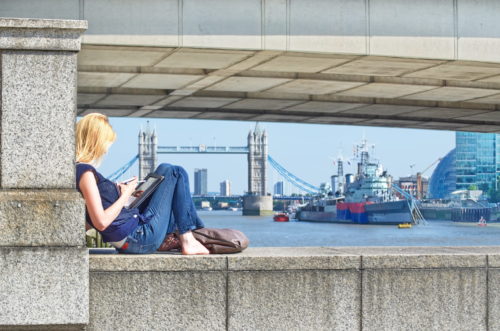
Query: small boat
x=404 y=225
x=281 y=217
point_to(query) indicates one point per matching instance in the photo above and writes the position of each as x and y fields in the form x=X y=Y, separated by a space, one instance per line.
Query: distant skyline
x=306 y=150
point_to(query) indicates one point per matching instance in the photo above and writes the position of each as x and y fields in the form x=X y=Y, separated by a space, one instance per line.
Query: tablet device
x=144 y=190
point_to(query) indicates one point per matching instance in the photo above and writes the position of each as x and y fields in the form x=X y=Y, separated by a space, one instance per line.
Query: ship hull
x=393 y=212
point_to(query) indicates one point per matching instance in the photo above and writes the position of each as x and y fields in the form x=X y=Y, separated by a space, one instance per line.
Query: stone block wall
x=299 y=288
x=43 y=258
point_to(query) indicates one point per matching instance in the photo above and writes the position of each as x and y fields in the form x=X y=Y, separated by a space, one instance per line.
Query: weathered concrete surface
x=46 y=159
x=166 y=300
x=423 y=299
x=310 y=288
x=294 y=300
x=41 y=218
x=43 y=286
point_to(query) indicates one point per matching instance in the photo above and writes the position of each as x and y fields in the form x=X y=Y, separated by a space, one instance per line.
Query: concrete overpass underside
x=420 y=64
x=289 y=86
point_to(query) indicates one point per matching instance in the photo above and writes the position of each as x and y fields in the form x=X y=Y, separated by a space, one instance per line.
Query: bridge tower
x=257 y=202
x=257 y=161
x=148 y=147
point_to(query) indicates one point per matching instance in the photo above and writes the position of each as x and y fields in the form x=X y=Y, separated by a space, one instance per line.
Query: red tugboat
x=281 y=217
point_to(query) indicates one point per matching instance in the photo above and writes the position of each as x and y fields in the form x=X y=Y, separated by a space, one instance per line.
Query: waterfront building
x=410 y=185
x=474 y=163
x=225 y=188
x=477 y=160
x=200 y=181
x=443 y=179
x=278 y=188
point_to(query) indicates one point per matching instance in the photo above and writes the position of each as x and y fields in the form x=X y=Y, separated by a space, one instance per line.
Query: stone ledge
x=302 y=258
x=41 y=34
x=41 y=218
x=293 y=258
x=419 y=257
x=155 y=262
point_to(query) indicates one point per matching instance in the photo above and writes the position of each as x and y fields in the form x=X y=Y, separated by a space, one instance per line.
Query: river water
x=263 y=231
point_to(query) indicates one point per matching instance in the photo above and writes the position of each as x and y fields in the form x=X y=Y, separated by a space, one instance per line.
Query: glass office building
x=477 y=160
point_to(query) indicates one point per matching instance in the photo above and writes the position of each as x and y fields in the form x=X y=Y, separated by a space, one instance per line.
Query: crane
x=419 y=178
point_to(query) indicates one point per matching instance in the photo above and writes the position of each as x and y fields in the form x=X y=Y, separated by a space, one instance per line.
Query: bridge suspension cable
x=291 y=178
x=118 y=173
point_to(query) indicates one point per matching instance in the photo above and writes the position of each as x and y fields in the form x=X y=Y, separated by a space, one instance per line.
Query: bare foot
x=191 y=246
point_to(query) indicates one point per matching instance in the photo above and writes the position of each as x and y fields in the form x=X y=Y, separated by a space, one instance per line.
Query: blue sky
x=305 y=150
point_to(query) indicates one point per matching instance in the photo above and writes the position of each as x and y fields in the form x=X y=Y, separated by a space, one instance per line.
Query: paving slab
x=451 y=94
x=129 y=100
x=268 y=104
x=203 y=102
x=286 y=63
x=202 y=59
x=324 y=107
x=443 y=113
x=384 y=90
x=124 y=56
x=311 y=86
x=161 y=81
x=381 y=66
x=382 y=110
x=246 y=84
x=103 y=79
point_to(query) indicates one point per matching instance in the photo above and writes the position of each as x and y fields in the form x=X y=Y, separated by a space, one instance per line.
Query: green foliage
x=472 y=187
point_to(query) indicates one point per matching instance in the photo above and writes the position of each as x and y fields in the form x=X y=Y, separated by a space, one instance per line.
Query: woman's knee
x=166 y=168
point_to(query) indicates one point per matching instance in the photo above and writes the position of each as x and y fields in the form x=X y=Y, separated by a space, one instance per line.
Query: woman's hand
x=128 y=188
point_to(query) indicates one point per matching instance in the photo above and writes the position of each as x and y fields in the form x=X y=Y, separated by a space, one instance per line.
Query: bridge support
x=44 y=278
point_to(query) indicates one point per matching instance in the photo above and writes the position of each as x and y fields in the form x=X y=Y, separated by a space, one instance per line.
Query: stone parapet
x=42 y=218
x=302 y=288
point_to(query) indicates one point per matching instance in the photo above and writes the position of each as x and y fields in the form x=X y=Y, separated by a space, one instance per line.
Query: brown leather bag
x=221 y=241
x=217 y=241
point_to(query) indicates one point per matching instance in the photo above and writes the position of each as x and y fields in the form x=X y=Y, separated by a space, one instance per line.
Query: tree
x=472 y=187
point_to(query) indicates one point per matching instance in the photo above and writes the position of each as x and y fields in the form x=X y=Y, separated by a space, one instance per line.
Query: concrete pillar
x=43 y=258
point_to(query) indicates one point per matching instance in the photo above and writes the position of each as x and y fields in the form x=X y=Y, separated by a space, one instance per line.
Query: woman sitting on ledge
x=142 y=230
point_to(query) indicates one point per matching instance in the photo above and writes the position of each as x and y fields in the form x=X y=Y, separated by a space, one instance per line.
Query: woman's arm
x=101 y=218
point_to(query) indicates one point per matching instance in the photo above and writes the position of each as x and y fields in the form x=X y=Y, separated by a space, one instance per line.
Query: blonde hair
x=94 y=135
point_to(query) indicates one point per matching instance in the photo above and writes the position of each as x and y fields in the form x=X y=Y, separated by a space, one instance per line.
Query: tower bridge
x=257 y=201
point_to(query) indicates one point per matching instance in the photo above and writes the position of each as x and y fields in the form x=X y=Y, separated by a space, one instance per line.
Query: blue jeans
x=169 y=208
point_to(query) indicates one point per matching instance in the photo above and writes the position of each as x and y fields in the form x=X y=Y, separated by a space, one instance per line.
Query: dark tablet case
x=157 y=180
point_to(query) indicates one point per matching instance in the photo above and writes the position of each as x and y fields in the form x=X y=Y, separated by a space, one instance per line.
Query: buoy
x=404 y=225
